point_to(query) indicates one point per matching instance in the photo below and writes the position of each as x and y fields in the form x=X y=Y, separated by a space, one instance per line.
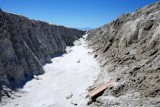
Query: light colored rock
x=89 y=101
x=68 y=49
x=36 y=77
x=68 y=95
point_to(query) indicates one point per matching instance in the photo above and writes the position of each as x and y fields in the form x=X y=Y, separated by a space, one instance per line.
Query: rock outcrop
x=129 y=48
x=26 y=45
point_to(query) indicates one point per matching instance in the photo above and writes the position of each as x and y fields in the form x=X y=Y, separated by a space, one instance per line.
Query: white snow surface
x=62 y=76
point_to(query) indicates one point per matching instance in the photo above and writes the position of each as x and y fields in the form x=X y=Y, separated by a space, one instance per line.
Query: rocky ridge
x=26 y=45
x=128 y=49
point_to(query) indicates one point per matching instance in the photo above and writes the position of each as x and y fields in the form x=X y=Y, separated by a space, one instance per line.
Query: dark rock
x=95 y=56
x=26 y=45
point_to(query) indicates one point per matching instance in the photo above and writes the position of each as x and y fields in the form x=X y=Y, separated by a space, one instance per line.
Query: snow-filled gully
x=68 y=76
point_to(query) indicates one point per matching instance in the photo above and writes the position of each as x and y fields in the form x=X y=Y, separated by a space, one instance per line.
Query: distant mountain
x=86 y=28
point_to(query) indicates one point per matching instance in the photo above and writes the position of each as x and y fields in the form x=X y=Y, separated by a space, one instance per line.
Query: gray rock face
x=26 y=45
x=128 y=48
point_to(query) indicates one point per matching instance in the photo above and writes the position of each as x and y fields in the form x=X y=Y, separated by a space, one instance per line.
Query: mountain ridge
x=27 y=44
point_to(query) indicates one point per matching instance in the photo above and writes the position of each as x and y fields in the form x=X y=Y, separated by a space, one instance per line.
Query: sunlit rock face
x=129 y=48
x=26 y=45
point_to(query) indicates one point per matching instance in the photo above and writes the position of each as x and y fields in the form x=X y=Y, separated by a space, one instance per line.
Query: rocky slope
x=26 y=45
x=129 y=49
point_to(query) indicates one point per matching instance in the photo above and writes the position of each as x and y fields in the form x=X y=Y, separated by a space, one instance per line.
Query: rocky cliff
x=26 y=45
x=129 y=49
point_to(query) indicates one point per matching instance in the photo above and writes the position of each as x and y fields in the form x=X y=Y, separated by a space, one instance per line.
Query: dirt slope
x=129 y=48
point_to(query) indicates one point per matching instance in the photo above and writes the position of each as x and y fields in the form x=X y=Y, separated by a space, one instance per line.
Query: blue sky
x=73 y=13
